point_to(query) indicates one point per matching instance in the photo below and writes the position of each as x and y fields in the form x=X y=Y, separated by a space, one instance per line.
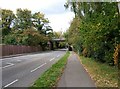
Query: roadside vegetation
x=94 y=31
x=102 y=74
x=25 y=28
x=50 y=77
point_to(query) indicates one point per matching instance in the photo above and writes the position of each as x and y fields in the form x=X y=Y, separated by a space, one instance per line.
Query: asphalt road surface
x=22 y=71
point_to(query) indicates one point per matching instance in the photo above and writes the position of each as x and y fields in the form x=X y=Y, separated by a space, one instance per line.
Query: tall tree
x=39 y=21
x=28 y=28
x=23 y=19
x=7 y=20
x=98 y=28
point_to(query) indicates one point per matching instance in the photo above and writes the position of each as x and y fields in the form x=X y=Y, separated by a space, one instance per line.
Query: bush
x=10 y=39
x=26 y=37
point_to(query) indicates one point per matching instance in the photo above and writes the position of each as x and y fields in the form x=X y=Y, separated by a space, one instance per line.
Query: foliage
x=62 y=44
x=10 y=39
x=50 y=77
x=57 y=35
x=39 y=20
x=7 y=19
x=23 y=19
x=97 y=32
x=26 y=37
x=25 y=28
x=73 y=35
x=48 y=32
x=104 y=76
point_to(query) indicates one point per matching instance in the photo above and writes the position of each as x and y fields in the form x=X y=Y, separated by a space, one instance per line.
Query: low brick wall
x=18 y=49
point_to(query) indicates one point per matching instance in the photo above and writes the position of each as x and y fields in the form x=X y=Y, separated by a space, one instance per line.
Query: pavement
x=22 y=71
x=75 y=75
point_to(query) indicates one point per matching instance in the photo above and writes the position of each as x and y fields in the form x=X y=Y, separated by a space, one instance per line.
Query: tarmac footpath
x=75 y=75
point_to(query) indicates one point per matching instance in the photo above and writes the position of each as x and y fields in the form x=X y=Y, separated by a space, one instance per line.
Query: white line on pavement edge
x=52 y=59
x=10 y=64
x=11 y=83
x=37 y=67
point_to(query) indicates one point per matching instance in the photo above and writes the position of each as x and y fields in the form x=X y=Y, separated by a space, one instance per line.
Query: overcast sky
x=54 y=10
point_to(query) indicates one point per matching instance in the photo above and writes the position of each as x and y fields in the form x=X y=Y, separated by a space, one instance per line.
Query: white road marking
x=11 y=83
x=37 y=67
x=58 y=55
x=52 y=59
x=10 y=64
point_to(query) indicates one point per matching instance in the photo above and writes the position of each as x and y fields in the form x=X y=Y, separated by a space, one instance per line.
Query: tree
x=73 y=35
x=7 y=20
x=29 y=37
x=27 y=28
x=39 y=21
x=33 y=37
x=58 y=35
x=98 y=28
x=49 y=32
x=23 y=19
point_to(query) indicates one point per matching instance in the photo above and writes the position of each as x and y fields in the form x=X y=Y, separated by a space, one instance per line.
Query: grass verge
x=103 y=74
x=50 y=77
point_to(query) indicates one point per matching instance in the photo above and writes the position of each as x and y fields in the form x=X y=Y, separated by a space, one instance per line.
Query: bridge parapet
x=59 y=40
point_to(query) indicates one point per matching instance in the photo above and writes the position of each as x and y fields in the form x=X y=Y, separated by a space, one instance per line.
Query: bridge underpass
x=55 y=43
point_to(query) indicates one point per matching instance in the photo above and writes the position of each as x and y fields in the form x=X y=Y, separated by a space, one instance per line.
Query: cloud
x=29 y=4
x=53 y=9
x=60 y=22
x=56 y=8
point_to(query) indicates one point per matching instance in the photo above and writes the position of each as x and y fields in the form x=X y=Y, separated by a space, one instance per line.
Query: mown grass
x=103 y=74
x=50 y=77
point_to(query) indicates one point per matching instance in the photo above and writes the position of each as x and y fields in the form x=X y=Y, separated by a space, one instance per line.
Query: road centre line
x=11 y=83
x=10 y=64
x=52 y=59
x=38 y=67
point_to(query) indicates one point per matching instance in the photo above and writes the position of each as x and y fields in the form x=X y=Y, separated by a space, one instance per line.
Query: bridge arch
x=55 y=42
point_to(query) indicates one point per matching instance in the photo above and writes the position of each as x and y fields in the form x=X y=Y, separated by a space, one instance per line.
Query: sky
x=54 y=10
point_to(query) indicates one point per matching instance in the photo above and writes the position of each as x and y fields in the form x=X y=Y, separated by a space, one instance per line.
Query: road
x=22 y=71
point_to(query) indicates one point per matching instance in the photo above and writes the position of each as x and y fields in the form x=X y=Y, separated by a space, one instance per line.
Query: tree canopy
x=25 y=28
x=94 y=30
